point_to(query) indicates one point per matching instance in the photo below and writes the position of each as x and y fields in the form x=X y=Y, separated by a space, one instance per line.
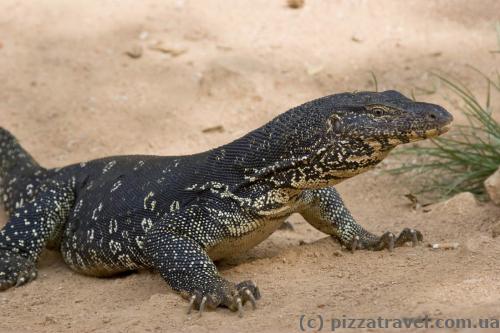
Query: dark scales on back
x=176 y=215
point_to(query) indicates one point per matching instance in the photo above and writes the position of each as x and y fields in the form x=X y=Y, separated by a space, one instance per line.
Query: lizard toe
x=246 y=291
x=388 y=240
x=227 y=294
x=249 y=292
x=409 y=235
x=200 y=301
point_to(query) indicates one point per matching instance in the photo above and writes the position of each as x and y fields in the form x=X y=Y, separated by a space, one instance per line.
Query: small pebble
x=444 y=246
x=295 y=4
x=134 y=52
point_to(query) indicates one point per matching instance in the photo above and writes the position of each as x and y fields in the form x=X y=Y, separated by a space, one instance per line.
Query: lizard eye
x=378 y=112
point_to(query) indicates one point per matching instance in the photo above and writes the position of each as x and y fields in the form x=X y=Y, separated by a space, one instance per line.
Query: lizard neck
x=239 y=161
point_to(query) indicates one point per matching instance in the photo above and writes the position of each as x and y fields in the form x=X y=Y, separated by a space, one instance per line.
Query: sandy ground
x=70 y=92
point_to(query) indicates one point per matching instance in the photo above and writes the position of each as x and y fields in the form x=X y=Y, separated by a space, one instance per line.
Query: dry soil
x=86 y=79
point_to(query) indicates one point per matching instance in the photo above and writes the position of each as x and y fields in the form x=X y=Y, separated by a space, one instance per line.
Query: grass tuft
x=463 y=159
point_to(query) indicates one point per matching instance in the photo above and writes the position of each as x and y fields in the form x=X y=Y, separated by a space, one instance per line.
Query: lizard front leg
x=325 y=210
x=176 y=247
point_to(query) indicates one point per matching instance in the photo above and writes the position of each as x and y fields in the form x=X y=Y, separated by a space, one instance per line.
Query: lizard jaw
x=444 y=129
x=436 y=131
x=430 y=133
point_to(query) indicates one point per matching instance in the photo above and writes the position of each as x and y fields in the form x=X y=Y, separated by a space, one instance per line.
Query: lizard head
x=336 y=137
x=387 y=118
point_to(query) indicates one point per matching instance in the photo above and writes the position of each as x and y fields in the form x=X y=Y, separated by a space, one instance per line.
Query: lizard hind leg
x=29 y=230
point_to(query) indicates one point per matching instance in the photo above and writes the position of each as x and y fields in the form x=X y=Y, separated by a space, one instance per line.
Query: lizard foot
x=387 y=241
x=229 y=295
x=15 y=270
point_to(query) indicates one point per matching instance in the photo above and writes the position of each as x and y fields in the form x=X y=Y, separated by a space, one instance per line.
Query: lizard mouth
x=429 y=133
x=444 y=129
x=436 y=132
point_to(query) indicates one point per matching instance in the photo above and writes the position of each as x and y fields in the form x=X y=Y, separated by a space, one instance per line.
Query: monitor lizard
x=178 y=214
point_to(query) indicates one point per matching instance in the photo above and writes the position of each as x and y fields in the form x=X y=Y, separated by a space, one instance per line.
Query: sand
x=86 y=79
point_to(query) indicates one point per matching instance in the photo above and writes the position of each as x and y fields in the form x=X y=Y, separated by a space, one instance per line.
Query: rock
x=464 y=198
x=461 y=204
x=492 y=185
x=134 y=52
x=295 y=4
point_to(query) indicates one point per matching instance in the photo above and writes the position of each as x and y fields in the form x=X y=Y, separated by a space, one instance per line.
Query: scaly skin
x=176 y=215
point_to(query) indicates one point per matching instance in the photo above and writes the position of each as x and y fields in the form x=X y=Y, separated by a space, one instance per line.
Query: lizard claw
x=200 y=301
x=355 y=243
x=232 y=296
x=251 y=298
x=409 y=235
x=240 y=306
x=387 y=241
x=202 y=305
x=247 y=291
x=191 y=304
x=414 y=237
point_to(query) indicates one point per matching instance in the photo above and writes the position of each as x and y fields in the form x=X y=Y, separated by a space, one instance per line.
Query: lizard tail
x=14 y=160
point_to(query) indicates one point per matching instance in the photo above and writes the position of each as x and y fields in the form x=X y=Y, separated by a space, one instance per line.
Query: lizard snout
x=438 y=117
